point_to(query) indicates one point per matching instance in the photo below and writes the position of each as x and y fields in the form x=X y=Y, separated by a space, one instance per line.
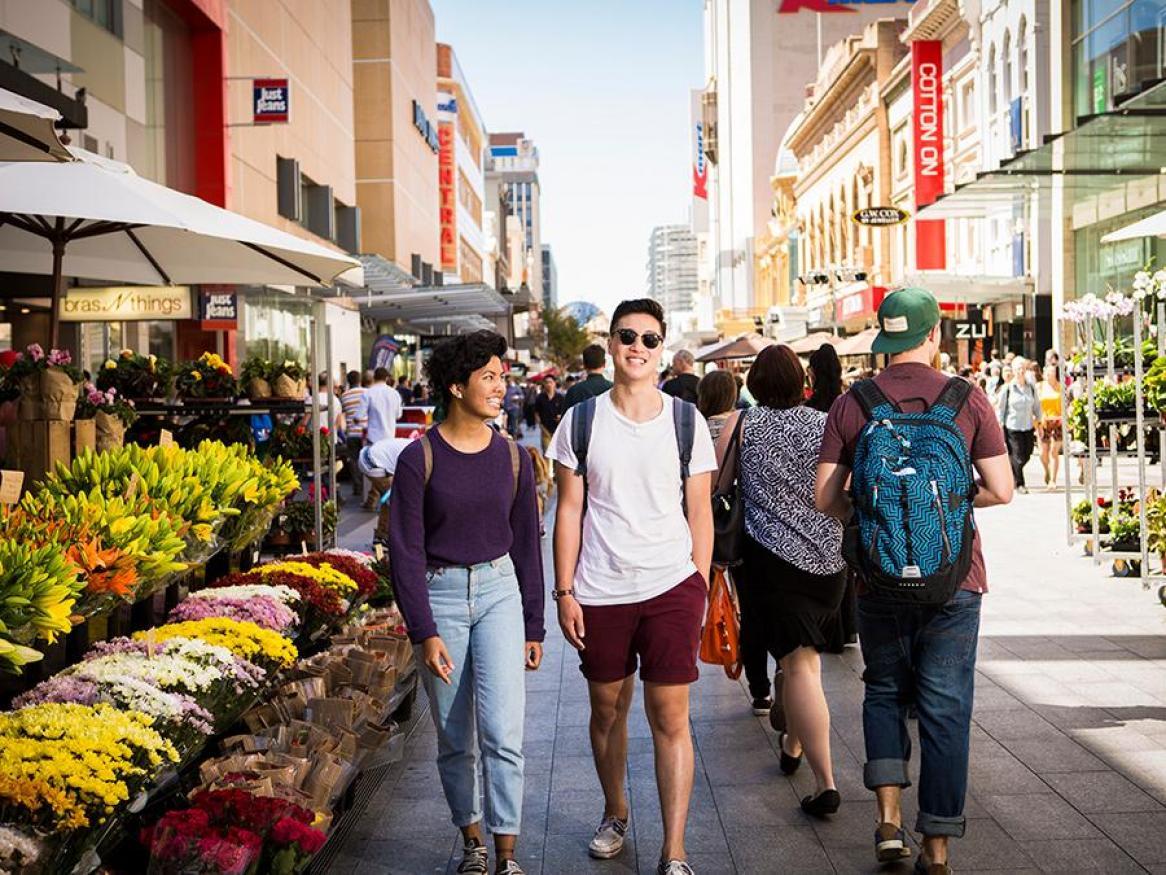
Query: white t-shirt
x=384 y=409
x=636 y=541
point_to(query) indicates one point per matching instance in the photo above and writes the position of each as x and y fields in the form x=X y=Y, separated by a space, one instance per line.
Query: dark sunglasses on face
x=627 y=336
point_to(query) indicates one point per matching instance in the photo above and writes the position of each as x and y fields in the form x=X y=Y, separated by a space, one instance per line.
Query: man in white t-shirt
x=629 y=572
x=384 y=408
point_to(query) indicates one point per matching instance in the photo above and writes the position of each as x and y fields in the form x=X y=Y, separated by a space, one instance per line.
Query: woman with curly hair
x=467 y=568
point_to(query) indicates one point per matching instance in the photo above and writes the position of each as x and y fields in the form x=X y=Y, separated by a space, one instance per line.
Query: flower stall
x=1116 y=412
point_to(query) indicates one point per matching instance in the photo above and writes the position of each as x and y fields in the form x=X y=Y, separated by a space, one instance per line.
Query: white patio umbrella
x=744 y=347
x=27 y=131
x=96 y=218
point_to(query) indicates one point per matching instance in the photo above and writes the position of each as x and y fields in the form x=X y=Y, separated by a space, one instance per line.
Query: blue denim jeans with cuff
x=478 y=611
x=924 y=656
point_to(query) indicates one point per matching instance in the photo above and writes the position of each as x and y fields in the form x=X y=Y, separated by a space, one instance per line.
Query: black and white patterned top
x=778 y=463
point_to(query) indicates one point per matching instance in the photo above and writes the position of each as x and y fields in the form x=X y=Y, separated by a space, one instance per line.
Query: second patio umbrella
x=28 y=131
x=744 y=347
x=96 y=218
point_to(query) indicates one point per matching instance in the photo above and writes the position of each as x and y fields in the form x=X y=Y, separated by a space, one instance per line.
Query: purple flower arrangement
x=264 y=611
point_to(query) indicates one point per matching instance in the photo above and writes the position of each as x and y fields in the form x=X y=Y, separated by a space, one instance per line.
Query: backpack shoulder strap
x=582 y=419
x=427 y=454
x=953 y=397
x=515 y=467
x=871 y=398
x=684 y=420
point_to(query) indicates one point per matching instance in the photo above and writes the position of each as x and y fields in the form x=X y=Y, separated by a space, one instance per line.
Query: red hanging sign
x=447 y=207
x=927 y=133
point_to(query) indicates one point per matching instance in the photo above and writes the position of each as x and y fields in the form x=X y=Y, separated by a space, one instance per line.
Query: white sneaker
x=609 y=838
x=674 y=867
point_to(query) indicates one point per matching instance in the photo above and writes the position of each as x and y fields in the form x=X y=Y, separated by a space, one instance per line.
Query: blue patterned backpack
x=912 y=486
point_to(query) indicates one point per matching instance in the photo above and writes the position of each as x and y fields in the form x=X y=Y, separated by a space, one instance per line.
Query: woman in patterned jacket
x=793 y=572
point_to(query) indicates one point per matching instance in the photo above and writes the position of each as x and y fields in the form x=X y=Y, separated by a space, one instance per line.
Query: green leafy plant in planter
x=1156 y=523
x=1125 y=533
x=299 y=519
x=208 y=377
x=384 y=594
x=1083 y=516
x=135 y=376
x=255 y=375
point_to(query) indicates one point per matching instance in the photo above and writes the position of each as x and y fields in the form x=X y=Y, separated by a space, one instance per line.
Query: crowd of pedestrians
x=863 y=496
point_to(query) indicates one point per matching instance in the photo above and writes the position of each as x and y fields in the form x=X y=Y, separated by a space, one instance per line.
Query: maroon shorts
x=663 y=632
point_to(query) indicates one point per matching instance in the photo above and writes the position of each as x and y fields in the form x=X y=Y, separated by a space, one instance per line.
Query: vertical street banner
x=700 y=163
x=927 y=134
x=447 y=195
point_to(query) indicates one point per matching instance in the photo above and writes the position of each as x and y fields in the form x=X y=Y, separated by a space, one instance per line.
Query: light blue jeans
x=478 y=611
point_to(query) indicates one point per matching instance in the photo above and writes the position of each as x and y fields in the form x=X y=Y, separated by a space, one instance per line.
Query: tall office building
x=550 y=278
x=512 y=166
x=672 y=270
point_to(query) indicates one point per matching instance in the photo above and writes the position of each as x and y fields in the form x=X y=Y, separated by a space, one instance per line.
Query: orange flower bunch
x=109 y=571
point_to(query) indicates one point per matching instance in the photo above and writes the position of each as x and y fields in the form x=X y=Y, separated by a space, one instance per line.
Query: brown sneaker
x=922 y=867
x=891 y=843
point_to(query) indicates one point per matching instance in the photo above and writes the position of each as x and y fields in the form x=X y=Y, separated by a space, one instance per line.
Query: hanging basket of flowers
x=135 y=376
x=111 y=413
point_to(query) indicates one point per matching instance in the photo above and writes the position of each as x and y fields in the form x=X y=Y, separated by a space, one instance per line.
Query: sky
x=602 y=87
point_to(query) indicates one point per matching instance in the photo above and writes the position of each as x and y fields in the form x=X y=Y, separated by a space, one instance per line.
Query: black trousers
x=754 y=653
x=1020 y=444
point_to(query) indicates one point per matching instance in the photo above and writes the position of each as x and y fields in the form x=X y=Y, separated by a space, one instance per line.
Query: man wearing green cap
x=925 y=655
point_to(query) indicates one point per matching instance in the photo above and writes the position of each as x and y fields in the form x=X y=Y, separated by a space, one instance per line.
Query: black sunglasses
x=627 y=336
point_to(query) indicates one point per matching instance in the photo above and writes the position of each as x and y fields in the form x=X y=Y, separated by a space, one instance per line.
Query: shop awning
x=1151 y=226
x=447 y=309
x=746 y=346
x=951 y=288
x=857 y=344
x=383 y=276
x=811 y=342
x=1125 y=147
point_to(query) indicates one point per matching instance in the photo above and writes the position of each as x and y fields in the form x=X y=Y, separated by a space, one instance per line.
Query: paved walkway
x=1068 y=769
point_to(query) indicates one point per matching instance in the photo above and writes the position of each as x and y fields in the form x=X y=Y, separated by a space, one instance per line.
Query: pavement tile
x=1101 y=792
x=1141 y=834
x=1088 y=855
x=1061 y=754
x=1031 y=817
x=789 y=849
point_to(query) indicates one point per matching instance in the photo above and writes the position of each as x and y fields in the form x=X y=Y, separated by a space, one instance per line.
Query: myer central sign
x=126 y=303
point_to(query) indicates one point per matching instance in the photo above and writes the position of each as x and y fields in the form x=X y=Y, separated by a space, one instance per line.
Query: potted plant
x=288 y=380
x=49 y=383
x=255 y=375
x=208 y=378
x=135 y=376
x=1125 y=531
x=111 y=413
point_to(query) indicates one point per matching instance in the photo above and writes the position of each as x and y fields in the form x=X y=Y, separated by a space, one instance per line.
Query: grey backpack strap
x=684 y=419
x=582 y=419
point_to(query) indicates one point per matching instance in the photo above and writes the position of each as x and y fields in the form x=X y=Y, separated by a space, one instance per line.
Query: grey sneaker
x=674 y=867
x=474 y=859
x=609 y=837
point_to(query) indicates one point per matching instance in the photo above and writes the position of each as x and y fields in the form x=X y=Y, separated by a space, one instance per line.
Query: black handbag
x=728 y=508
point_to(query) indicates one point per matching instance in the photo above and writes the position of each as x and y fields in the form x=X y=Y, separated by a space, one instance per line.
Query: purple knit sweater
x=466 y=516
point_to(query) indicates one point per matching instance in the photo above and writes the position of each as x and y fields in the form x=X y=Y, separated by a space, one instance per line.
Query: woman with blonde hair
x=1050 y=429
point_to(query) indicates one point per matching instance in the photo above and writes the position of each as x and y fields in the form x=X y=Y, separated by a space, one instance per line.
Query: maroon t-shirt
x=914 y=387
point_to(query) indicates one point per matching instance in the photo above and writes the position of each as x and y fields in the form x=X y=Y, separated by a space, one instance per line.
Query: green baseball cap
x=906 y=317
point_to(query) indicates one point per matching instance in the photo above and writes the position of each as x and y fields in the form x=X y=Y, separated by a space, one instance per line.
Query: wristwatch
x=562 y=594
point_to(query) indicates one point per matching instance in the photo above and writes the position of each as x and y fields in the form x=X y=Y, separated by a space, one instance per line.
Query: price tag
x=132 y=488
x=379 y=551
x=10 y=484
x=304 y=547
x=165 y=438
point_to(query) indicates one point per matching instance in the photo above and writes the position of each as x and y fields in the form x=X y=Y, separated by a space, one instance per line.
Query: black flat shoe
x=789 y=764
x=826 y=802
